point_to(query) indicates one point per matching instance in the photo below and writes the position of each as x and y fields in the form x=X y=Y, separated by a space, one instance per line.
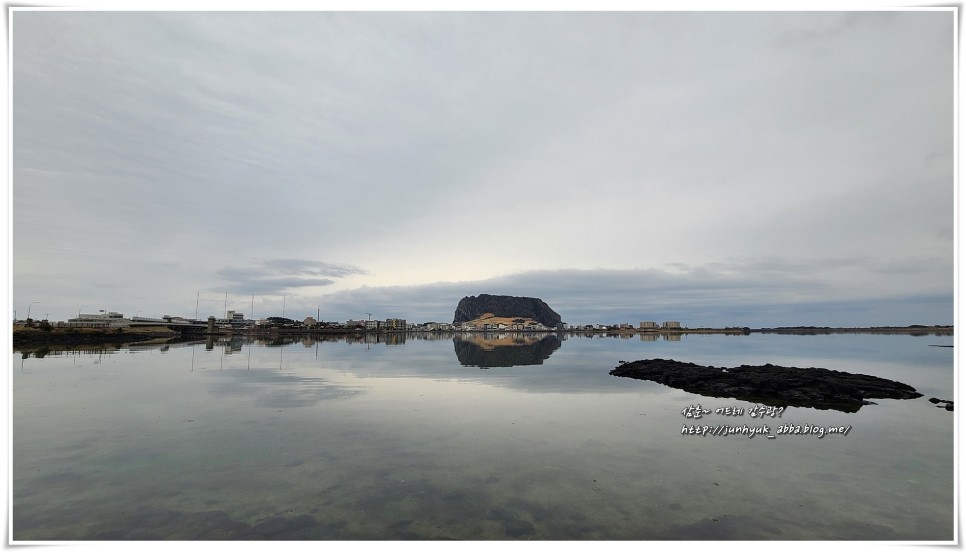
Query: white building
x=99 y=320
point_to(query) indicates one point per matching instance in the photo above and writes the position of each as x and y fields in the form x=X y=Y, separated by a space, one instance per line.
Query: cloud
x=618 y=164
x=277 y=275
x=739 y=292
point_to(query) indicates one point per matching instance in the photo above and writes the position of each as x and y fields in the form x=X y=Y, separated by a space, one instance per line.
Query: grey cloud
x=277 y=275
x=612 y=140
x=794 y=294
x=313 y=268
x=823 y=27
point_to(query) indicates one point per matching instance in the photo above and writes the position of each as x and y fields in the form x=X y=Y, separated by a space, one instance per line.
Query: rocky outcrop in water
x=473 y=307
x=769 y=384
x=947 y=404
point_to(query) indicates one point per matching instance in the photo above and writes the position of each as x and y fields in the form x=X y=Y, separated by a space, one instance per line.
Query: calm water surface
x=496 y=438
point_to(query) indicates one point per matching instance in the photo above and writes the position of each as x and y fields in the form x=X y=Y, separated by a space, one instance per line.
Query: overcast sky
x=729 y=168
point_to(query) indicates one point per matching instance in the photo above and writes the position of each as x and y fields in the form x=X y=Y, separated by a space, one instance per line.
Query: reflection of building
x=649 y=337
x=233 y=346
x=671 y=325
x=672 y=337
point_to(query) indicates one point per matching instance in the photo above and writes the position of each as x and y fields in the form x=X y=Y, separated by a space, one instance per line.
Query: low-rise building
x=235 y=316
x=395 y=324
x=648 y=325
x=168 y=319
x=671 y=325
x=99 y=320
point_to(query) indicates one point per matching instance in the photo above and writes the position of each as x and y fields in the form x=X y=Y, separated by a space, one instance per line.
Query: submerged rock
x=769 y=384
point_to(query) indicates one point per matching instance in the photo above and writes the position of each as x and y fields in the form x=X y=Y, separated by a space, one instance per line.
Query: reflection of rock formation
x=506 y=350
x=769 y=384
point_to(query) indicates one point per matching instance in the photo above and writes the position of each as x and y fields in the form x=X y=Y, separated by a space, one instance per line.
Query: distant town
x=235 y=322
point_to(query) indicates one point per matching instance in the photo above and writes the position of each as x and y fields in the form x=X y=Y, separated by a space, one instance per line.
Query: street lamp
x=28 y=308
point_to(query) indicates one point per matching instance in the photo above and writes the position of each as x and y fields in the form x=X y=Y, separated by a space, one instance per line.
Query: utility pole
x=252 y=313
x=197 y=299
x=28 y=308
x=283 y=305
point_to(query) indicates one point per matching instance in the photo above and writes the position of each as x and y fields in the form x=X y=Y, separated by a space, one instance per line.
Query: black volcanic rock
x=948 y=405
x=505 y=306
x=769 y=384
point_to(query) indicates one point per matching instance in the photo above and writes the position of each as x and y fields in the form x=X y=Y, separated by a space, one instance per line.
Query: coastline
x=813 y=330
x=29 y=337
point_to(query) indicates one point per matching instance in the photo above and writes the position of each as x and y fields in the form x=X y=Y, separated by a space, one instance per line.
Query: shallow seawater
x=507 y=437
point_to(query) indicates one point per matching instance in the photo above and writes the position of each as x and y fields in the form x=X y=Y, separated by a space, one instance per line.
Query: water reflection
x=359 y=439
x=276 y=390
x=513 y=349
x=234 y=344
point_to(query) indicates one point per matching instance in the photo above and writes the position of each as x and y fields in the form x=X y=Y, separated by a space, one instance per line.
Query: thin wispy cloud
x=275 y=276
